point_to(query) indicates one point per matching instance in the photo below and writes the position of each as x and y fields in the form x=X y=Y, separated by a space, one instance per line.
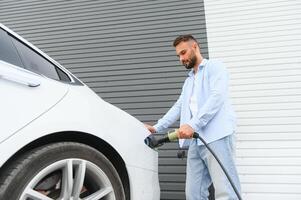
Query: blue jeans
x=203 y=169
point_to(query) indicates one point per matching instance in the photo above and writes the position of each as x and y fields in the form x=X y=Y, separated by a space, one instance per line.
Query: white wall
x=260 y=41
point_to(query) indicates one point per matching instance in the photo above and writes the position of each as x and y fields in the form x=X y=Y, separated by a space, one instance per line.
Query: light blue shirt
x=215 y=118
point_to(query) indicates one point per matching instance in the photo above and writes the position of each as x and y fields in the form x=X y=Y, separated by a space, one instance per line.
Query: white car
x=59 y=140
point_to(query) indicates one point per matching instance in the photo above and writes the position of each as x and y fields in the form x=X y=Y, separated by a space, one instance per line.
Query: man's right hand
x=150 y=128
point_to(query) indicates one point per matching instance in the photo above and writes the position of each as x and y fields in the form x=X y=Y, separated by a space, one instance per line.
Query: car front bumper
x=144 y=184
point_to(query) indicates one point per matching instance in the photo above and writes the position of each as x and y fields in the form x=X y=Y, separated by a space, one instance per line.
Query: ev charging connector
x=154 y=142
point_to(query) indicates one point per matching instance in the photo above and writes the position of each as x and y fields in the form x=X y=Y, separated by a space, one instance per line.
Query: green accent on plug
x=173 y=135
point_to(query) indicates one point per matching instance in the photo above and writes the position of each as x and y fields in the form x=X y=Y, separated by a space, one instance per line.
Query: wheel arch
x=84 y=138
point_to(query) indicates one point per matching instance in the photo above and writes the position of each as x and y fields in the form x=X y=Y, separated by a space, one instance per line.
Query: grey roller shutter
x=123 y=51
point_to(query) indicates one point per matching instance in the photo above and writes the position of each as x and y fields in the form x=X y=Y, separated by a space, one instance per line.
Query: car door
x=30 y=85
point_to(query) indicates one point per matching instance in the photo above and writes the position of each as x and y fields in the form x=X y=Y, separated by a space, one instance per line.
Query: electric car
x=60 y=140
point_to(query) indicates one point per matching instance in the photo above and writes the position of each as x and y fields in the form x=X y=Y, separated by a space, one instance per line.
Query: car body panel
x=34 y=107
x=140 y=179
x=20 y=101
x=99 y=118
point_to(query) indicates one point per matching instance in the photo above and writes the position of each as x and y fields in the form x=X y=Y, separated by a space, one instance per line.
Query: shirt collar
x=201 y=65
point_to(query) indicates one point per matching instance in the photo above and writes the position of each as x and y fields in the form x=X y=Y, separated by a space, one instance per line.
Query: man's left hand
x=185 y=132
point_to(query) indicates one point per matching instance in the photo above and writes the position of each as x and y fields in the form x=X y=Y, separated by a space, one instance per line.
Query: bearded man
x=203 y=107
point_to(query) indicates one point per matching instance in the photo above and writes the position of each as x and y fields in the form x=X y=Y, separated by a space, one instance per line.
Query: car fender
x=93 y=116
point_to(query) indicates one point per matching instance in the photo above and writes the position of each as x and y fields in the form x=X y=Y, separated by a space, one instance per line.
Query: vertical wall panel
x=260 y=41
x=122 y=50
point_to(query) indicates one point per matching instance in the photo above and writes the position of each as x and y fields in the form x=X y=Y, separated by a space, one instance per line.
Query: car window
x=38 y=64
x=63 y=76
x=8 y=52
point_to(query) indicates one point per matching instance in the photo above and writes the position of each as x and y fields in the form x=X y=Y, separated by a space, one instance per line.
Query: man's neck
x=196 y=66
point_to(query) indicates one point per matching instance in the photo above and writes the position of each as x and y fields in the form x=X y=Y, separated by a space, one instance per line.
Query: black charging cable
x=154 y=142
x=196 y=135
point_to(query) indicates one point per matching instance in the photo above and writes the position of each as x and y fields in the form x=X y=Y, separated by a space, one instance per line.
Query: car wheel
x=63 y=171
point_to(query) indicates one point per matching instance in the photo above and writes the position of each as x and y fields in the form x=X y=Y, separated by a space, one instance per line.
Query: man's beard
x=191 y=62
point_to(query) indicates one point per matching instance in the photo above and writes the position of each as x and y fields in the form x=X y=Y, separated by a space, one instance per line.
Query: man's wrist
x=156 y=128
x=193 y=125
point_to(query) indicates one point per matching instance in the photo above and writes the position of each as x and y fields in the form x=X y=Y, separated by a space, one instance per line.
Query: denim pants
x=203 y=169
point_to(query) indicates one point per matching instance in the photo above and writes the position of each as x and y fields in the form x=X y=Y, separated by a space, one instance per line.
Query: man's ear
x=194 y=45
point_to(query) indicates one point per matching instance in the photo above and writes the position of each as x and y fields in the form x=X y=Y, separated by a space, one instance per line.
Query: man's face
x=186 y=53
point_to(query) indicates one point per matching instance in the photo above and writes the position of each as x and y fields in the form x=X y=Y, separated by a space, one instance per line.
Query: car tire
x=65 y=170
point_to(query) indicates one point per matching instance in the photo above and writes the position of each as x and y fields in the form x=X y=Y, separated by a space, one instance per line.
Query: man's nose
x=181 y=58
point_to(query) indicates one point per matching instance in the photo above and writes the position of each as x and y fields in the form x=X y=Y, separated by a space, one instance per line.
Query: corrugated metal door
x=261 y=43
x=122 y=50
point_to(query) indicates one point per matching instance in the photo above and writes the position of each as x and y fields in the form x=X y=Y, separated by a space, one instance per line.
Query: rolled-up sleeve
x=170 y=117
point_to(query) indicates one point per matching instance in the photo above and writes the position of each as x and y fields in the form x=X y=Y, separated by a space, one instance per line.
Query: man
x=203 y=107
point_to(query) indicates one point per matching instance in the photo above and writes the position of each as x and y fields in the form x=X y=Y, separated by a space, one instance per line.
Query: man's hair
x=183 y=38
